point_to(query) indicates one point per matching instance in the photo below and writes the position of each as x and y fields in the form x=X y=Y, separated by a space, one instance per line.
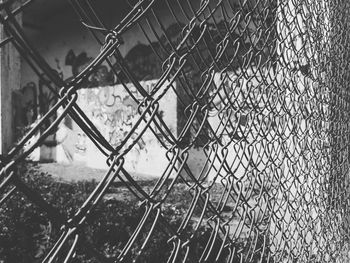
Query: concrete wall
x=68 y=46
x=114 y=113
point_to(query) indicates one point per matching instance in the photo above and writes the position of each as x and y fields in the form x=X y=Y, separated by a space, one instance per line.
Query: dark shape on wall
x=101 y=77
x=25 y=107
x=78 y=63
x=174 y=33
x=70 y=58
x=29 y=103
x=143 y=63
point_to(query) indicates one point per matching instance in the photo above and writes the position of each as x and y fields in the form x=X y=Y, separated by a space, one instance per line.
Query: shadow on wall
x=144 y=61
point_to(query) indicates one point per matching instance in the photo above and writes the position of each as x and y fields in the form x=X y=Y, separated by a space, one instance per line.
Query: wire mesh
x=262 y=93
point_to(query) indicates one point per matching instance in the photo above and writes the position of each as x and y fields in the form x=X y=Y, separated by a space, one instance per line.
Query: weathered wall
x=67 y=47
x=10 y=83
x=114 y=113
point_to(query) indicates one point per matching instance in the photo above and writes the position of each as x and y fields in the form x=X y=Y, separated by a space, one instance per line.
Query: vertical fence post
x=10 y=80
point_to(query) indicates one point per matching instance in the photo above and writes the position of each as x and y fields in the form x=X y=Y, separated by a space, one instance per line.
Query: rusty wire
x=263 y=95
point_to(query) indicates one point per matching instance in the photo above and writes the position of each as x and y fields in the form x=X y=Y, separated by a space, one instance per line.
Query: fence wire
x=262 y=94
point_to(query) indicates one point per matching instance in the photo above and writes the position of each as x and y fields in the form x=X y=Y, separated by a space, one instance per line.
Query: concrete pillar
x=10 y=80
x=296 y=217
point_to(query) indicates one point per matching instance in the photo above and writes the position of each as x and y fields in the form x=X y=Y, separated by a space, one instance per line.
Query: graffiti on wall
x=25 y=107
x=104 y=99
x=142 y=60
x=113 y=111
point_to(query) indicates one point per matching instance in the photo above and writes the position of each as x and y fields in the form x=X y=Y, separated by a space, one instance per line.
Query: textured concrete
x=10 y=80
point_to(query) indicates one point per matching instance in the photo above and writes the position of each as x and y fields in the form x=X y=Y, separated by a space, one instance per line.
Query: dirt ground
x=76 y=172
x=70 y=172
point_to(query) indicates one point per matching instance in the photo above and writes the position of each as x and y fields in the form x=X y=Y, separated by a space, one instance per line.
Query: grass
x=27 y=234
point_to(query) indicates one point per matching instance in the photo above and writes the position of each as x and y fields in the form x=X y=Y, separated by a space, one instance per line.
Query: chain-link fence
x=262 y=92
